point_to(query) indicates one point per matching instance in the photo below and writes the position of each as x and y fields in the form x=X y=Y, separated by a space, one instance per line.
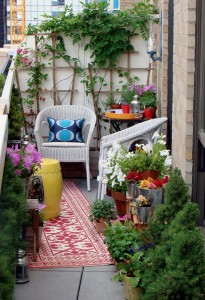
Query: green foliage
x=145 y=158
x=108 y=33
x=131 y=267
x=121 y=238
x=177 y=261
x=102 y=209
x=127 y=96
x=176 y=196
x=2 y=82
x=12 y=216
x=109 y=100
x=16 y=116
x=149 y=100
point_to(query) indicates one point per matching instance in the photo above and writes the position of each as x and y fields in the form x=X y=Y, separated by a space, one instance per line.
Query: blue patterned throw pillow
x=65 y=130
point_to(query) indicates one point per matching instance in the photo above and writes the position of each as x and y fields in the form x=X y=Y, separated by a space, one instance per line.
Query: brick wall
x=183 y=85
x=183 y=81
x=124 y=4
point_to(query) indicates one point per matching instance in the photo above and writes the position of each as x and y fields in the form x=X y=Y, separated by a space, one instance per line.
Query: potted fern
x=101 y=211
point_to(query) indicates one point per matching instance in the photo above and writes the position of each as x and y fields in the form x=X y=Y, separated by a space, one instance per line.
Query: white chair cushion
x=63 y=144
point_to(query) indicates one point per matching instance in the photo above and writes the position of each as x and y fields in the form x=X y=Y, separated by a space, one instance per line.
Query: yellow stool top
x=49 y=165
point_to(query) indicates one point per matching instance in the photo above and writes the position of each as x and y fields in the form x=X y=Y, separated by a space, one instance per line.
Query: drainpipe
x=170 y=72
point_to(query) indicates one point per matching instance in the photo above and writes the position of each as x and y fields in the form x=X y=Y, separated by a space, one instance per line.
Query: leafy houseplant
x=127 y=96
x=131 y=273
x=121 y=238
x=101 y=211
x=149 y=157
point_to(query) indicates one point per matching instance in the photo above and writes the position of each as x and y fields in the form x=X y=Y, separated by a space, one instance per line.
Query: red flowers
x=133 y=176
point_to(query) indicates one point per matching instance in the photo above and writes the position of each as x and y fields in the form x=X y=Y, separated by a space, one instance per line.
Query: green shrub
x=12 y=217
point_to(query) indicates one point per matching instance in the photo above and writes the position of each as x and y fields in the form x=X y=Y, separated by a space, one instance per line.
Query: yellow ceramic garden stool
x=52 y=184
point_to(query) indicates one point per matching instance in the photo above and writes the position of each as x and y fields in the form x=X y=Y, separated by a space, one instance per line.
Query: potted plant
x=25 y=161
x=111 y=102
x=153 y=188
x=101 y=211
x=131 y=273
x=121 y=237
x=148 y=98
x=144 y=208
x=127 y=96
x=149 y=160
x=115 y=178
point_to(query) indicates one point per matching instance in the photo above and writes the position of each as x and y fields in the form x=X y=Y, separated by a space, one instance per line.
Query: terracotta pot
x=100 y=225
x=125 y=108
x=146 y=173
x=119 y=196
x=122 y=203
x=115 y=106
x=130 y=293
x=149 y=112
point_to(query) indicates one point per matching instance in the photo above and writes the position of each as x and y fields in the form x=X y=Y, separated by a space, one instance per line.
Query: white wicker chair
x=66 y=151
x=127 y=137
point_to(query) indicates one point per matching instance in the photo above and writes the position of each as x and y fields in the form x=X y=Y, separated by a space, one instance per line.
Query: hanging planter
x=155 y=195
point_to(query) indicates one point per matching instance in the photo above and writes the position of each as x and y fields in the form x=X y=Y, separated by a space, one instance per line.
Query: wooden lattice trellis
x=129 y=68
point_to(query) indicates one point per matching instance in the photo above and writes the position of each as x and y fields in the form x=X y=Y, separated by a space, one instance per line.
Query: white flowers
x=111 y=168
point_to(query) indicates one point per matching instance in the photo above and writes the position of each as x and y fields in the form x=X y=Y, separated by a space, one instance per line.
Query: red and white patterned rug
x=71 y=239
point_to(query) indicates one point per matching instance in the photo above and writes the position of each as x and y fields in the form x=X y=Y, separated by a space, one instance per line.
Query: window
x=116 y=4
x=57 y=2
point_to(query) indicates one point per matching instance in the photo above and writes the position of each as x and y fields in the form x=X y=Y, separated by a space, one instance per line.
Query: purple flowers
x=25 y=161
x=142 y=89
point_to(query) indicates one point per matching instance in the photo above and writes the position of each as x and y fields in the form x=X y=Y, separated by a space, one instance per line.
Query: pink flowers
x=25 y=161
x=22 y=59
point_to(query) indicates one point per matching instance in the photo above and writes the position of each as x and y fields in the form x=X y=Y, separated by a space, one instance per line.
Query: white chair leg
x=88 y=176
x=99 y=190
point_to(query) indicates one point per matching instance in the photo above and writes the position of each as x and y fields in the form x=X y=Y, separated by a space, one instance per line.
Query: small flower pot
x=115 y=106
x=132 y=190
x=100 y=225
x=125 y=108
x=144 y=213
x=149 y=112
x=156 y=196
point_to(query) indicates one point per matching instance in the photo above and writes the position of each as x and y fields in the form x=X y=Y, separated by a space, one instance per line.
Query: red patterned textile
x=71 y=239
